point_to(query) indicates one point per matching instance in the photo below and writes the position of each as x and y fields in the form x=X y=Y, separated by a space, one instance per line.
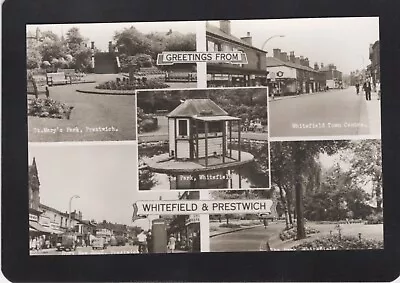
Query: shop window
x=210 y=46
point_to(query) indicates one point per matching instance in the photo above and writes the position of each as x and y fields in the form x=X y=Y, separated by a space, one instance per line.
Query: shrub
x=375 y=219
x=291 y=233
x=127 y=85
x=339 y=243
x=49 y=108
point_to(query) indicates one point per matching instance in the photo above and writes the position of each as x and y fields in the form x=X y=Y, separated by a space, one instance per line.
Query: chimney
x=292 y=57
x=306 y=62
x=277 y=53
x=225 y=26
x=316 y=67
x=322 y=65
x=92 y=45
x=297 y=60
x=284 y=56
x=248 y=39
x=110 y=47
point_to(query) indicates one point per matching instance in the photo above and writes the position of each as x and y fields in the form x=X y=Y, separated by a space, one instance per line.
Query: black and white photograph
x=80 y=199
x=203 y=139
x=168 y=233
x=241 y=232
x=323 y=74
x=327 y=195
x=82 y=78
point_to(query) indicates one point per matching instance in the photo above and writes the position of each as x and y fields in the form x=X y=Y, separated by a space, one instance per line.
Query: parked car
x=99 y=243
x=66 y=242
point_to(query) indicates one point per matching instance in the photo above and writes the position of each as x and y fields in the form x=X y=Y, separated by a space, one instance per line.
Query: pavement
x=333 y=113
x=89 y=251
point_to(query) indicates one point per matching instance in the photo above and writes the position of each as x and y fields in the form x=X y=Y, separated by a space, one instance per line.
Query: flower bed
x=291 y=233
x=127 y=85
x=339 y=243
x=146 y=122
x=49 y=108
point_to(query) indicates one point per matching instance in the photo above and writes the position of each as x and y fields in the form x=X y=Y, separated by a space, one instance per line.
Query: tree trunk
x=298 y=159
x=289 y=208
x=284 y=207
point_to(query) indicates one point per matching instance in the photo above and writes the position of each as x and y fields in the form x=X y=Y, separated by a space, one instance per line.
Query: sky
x=103 y=176
x=102 y=33
x=341 y=41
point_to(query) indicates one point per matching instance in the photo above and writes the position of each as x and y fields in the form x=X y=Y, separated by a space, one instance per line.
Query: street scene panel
x=82 y=78
x=328 y=195
x=203 y=139
x=320 y=83
x=74 y=211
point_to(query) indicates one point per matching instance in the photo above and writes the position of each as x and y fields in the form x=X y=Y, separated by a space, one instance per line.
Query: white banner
x=170 y=58
x=202 y=207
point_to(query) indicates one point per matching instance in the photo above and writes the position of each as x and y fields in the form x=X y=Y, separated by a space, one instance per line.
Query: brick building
x=223 y=74
x=374 y=56
x=291 y=74
x=334 y=78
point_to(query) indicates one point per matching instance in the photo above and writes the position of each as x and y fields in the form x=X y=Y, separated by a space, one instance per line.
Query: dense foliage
x=48 y=108
x=49 y=51
x=291 y=233
x=127 y=85
x=146 y=122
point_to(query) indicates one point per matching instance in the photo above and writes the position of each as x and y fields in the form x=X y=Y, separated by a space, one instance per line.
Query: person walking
x=149 y=241
x=171 y=243
x=142 y=239
x=378 y=90
x=367 y=90
x=357 y=88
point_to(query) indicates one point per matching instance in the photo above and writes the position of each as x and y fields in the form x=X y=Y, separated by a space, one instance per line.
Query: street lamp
x=69 y=215
x=262 y=48
x=271 y=37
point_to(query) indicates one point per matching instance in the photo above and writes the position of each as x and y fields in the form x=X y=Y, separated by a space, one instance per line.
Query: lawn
x=95 y=117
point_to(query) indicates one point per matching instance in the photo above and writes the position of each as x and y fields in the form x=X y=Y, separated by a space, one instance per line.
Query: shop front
x=228 y=75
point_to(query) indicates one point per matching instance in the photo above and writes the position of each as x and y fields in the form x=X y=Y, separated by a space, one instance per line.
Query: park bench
x=37 y=86
x=179 y=77
x=57 y=78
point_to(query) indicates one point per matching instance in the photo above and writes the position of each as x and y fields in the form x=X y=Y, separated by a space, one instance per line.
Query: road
x=89 y=251
x=252 y=239
x=331 y=113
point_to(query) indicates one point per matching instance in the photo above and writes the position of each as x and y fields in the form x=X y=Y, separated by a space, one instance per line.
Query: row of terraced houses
x=288 y=73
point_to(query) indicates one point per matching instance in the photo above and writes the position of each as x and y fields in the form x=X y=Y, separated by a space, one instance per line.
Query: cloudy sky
x=103 y=176
x=342 y=41
x=101 y=34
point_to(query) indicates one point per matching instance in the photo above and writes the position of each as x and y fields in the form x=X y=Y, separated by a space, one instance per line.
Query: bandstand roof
x=198 y=108
x=215 y=118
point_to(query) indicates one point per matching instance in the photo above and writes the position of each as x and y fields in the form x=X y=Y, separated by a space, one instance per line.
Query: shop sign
x=33 y=217
x=279 y=74
x=193 y=219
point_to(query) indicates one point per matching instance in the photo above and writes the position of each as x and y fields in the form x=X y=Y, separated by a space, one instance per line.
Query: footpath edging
x=235 y=230
x=107 y=91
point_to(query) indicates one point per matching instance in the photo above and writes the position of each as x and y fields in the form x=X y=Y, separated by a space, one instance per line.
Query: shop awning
x=215 y=118
x=36 y=226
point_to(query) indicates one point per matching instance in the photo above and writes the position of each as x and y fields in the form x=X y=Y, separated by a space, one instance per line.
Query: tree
x=291 y=163
x=131 y=42
x=366 y=167
x=33 y=58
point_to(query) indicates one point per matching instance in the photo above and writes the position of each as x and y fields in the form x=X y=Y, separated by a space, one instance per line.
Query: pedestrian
x=357 y=88
x=171 y=243
x=367 y=90
x=378 y=90
x=265 y=221
x=142 y=239
x=34 y=243
x=149 y=240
